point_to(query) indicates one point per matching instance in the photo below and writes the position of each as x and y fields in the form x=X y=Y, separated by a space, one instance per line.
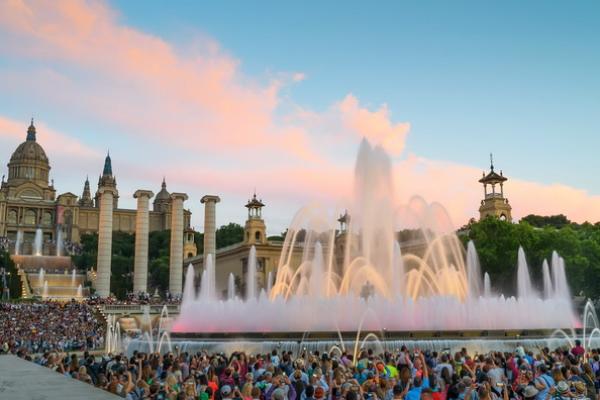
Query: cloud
x=375 y=126
x=189 y=113
x=59 y=144
x=141 y=83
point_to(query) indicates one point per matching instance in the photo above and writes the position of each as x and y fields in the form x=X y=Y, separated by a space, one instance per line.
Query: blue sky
x=517 y=78
x=225 y=97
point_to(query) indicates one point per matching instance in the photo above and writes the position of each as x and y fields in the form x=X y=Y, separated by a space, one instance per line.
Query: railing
x=138 y=308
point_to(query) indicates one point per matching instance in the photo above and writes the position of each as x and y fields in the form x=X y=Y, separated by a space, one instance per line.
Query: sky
x=230 y=97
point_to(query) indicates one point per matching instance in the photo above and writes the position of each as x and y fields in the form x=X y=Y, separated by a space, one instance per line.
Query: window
x=257 y=235
x=29 y=218
x=12 y=217
x=47 y=218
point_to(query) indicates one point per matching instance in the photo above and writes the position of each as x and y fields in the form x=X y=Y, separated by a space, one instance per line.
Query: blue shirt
x=415 y=392
x=546 y=380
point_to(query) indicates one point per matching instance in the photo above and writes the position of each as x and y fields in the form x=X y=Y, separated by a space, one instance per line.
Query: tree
x=13 y=280
x=89 y=252
x=498 y=242
x=556 y=221
x=229 y=234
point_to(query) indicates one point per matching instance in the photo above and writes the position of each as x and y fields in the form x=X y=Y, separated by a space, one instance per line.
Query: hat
x=319 y=392
x=278 y=394
x=562 y=387
x=580 y=387
x=530 y=391
x=226 y=390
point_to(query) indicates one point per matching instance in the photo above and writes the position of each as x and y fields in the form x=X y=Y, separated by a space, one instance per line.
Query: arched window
x=257 y=235
x=29 y=217
x=190 y=255
x=47 y=218
x=12 y=217
x=502 y=217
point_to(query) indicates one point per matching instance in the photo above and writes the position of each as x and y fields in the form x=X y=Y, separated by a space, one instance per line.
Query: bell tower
x=255 y=231
x=494 y=203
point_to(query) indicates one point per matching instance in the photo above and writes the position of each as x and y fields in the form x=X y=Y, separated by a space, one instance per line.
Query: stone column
x=176 y=259
x=140 y=264
x=210 y=225
x=105 y=230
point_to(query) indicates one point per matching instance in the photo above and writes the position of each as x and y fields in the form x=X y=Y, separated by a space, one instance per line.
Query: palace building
x=29 y=203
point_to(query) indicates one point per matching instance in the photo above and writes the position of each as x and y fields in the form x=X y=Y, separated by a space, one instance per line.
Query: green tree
x=13 y=280
x=498 y=242
x=89 y=252
x=229 y=234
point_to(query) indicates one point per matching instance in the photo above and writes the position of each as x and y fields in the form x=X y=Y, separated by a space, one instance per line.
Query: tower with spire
x=494 y=203
x=86 y=197
x=107 y=180
x=255 y=230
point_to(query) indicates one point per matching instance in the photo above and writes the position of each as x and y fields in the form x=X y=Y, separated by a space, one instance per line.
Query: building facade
x=29 y=201
x=233 y=259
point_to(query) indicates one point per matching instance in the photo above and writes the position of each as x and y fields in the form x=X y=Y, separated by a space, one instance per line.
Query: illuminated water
x=329 y=279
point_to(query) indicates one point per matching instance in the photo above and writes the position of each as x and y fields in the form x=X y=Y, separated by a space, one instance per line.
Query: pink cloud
x=195 y=101
x=376 y=126
x=59 y=144
x=143 y=83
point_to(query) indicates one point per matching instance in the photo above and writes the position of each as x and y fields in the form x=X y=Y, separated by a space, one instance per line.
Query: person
x=578 y=350
x=281 y=389
x=529 y=393
x=419 y=382
x=560 y=392
x=543 y=383
x=580 y=391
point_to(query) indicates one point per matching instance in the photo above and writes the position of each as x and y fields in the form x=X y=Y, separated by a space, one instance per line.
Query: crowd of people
x=69 y=248
x=49 y=326
x=562 y=374
x=136 y=298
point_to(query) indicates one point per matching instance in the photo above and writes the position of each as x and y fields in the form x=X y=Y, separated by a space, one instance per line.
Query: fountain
x=41 y=275
x=38 y=242
x=45 y=290
x=231 y=287
x=316 y=289
x=73 y=277
x=251 y=277
x=59 y=241
x=79 y=291
x=19 y=242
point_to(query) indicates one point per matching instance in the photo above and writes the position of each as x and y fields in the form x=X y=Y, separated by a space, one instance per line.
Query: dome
x=162 y=198
x=163 y=194
x=29 y=151
x=29 y=162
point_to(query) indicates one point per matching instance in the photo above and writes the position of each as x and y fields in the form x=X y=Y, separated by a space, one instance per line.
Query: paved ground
x=23 y=380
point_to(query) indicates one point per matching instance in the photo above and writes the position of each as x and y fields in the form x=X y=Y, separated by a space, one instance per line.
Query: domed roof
x=163 y=195
x=29 y=150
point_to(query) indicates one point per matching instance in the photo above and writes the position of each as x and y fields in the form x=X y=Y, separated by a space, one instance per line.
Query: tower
x=106 y=200
x=494 y=203
x=189 y=245
x=86 y=197
x=107 y=180
x=255 y=231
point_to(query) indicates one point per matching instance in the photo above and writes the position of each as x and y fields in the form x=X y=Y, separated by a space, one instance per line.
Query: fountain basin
x=34 y=263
